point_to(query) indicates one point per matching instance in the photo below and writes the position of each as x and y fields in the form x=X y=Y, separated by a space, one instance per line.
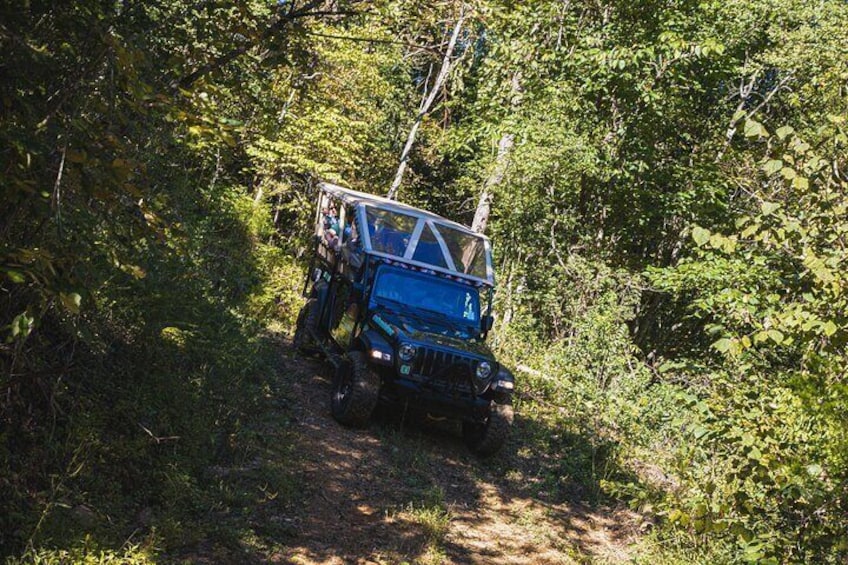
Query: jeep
x=399 y=301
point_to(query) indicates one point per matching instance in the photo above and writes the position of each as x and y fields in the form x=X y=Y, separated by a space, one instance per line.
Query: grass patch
x=432 y=517
x=88 y=552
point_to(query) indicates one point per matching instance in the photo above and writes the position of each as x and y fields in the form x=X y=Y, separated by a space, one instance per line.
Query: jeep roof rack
x=400 y=232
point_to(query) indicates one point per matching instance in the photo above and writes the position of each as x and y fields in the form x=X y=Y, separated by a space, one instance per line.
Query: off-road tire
x=487 y=438
x=307 y=324
x=356 y=390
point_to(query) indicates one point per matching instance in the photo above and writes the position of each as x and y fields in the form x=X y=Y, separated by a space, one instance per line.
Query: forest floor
x=409 y=491
x=406 y=490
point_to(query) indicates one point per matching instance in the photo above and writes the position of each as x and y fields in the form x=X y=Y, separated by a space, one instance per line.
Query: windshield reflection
x=422 y=292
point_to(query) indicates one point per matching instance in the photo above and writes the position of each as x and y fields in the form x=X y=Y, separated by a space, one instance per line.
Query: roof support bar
x=443 y=246
x=413 y=239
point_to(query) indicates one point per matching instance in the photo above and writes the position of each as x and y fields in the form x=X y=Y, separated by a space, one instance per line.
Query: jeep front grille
x=444 y=371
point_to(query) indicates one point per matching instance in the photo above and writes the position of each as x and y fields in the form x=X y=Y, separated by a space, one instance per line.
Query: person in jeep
x=399 y=302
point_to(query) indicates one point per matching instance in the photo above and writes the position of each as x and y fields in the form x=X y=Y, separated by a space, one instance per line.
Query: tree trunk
x=484 y=205
x=495 y=178
x=426 y=104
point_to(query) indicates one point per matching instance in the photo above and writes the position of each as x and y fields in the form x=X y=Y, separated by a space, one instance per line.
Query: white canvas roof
x=405 y=233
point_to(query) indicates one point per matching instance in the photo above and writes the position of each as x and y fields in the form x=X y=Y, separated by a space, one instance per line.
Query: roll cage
x=349 y=223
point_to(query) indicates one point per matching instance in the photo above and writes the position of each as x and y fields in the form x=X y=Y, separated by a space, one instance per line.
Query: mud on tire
x=487 y=438
x=356 y=389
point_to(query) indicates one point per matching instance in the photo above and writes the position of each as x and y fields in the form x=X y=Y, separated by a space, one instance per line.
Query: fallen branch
x=157 y=439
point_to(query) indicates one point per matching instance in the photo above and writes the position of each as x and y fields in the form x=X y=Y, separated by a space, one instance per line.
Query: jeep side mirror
x=486 y=323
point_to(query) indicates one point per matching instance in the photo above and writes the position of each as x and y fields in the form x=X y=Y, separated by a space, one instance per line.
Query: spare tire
x=307 y=324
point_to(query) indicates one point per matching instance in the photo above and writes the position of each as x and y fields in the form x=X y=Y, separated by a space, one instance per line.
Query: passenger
x=351 y=236
x=325 y=224
x=352 y=248
x=331 y=218
x=333 y=241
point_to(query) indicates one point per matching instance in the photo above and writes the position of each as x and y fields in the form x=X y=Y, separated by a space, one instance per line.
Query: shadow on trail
x=366 y=494
x=407 y=490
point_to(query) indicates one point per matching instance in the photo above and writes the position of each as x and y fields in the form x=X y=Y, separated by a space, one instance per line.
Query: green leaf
x=723 y=345
x=775 y=335
x=717 y=241
x=750 y=230
x=768 y=208
x=700 y=235
x=22 y=325
x=784 y=131
x=800 y=147
x=754 y=128
x=15 y=276
x=773 y=166
x=753 y=552
x=71 y=301
x=829 y=328
x=801 y=183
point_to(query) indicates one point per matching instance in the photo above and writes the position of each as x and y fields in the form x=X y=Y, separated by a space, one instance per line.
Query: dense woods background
x=666 y=188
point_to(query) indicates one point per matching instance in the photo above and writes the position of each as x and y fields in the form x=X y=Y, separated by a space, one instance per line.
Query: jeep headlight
x=406 y=352
x=484 y=369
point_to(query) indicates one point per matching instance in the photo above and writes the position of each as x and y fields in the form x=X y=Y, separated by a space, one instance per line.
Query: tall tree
x=427 y=101
x=498 y=172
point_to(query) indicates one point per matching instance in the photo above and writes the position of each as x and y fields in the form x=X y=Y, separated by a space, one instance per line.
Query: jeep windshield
x=427 y=294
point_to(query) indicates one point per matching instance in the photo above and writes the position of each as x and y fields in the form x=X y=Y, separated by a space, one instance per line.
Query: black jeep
x=399 y=301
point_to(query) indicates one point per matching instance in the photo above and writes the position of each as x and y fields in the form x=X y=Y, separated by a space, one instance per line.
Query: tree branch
x=429 y=48
x=745 y=91
x=305 y=12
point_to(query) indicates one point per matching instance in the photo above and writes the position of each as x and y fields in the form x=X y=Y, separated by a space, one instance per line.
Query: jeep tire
x=356 y=389
x=487 y=438
x=307 y=324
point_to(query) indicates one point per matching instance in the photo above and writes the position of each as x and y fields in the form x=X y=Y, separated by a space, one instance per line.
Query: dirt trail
x=395 y=493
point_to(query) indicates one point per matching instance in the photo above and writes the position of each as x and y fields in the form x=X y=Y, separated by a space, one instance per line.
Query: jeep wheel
x=355 y=392
x=307 y=324
x=487 y=438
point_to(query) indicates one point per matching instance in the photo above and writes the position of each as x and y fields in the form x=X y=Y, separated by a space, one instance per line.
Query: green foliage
x=588 y=402
x=639 y=133
x=669 y=249
x=137 y=273
x=769 y=450
x=87 y=554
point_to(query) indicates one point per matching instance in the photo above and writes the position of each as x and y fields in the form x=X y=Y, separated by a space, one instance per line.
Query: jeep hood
x=426 y=330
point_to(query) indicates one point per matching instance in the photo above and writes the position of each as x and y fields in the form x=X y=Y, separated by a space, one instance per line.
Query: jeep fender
x=372 y=340
x=503 y=384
